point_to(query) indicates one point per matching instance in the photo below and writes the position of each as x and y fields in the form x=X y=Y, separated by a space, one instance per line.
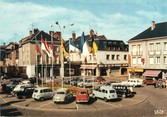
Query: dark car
x=25 y=93
x=123 y=91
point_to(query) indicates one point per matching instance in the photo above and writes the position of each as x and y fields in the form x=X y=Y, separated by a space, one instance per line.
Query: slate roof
x=160 y=30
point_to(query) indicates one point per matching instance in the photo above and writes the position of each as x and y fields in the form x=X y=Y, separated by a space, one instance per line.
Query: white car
x=62 y=95
x=105 y=92
x=87 y=83
x=43 y=93
x=133 y=82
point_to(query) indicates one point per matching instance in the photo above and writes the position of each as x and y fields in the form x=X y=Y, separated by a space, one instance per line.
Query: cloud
x=18 y=18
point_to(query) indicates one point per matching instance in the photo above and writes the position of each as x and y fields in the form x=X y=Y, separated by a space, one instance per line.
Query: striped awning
x=153 y=73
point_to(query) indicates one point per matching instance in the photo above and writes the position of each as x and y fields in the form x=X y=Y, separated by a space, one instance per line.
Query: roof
x=160 y=30
x=62 y=90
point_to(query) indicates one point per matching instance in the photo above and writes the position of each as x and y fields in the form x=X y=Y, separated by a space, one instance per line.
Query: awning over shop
x=135 y=69
x=88 y=67
x=154 y=73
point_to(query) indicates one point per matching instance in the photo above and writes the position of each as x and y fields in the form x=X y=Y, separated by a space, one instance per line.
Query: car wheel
x=24 y=97
x=42 y=99
x=93 y=96
x=124 y=96
x=105 y=99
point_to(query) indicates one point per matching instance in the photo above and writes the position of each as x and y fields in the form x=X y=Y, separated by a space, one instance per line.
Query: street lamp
x=61 y=50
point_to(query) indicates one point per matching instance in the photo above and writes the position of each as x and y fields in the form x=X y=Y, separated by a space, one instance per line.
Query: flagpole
x=42 y=66
x=69 y=62
x=36 y=68
x=52 y=60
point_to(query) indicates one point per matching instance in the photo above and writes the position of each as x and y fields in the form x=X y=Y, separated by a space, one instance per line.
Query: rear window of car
x=60 y=92
x=112 y=91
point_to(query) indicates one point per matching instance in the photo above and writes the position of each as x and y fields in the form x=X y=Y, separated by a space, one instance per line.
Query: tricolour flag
x=38 y=48
x=82 y=41
x=73 y=47
x=45 y=47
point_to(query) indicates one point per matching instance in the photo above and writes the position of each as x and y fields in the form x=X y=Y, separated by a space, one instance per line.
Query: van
x=43 y=93
x=105 y=92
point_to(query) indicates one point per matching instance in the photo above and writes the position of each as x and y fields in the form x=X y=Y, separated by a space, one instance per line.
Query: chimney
x=73 y=36
x=153 y=25
x=30 y=33
x=36 y=30
x=91 y=32
x=57 y=35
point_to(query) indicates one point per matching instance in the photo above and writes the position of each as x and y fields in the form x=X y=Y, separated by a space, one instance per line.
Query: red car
x=100 y=79
x=149 y=81
x=82 y=95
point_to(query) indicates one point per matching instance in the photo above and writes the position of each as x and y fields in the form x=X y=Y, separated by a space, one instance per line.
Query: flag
x=82 y=41
x=86 y=50
x=38 y=48
x=45 y=47
x=73 y=47
x=94 y=46
x=63 y=48
x=52 y=52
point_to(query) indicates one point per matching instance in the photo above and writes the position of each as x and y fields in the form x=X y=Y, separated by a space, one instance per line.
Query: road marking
x=44 y=105
x=3 y=99
x=107 y=103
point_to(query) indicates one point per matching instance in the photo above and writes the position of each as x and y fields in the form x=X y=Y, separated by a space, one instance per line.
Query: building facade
x=148 y=52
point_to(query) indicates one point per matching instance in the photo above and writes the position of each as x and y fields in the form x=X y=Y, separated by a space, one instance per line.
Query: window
x=151 y=60
x=113 y=57
x=157 y=60
x=133 y=49
x=140 y=49
x=107 y=57
x=133 y=60
x=158 y=46
x=165 y=45
x=165 y=60
x=118 y=57
x=139 y=60
x=125 y=57
x=151 y=46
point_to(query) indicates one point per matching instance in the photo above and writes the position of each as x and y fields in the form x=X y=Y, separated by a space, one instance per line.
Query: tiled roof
x=160 y=30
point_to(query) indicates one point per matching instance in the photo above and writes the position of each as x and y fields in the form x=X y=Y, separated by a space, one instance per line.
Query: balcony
x=164 y=52
x=157 y=52
x=137 y=53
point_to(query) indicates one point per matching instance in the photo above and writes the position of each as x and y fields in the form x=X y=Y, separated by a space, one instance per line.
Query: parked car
x=105 y=92
x=123 y=91
x=43 y=93
x=133 y=82
x=62 y=95
x=25 y=93
x=87 y=83
x=100 y=79
x=82 y=95
x=149 y=81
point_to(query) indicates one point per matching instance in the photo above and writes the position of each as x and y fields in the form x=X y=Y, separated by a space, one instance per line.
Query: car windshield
x=82 y=92
x=60 y=92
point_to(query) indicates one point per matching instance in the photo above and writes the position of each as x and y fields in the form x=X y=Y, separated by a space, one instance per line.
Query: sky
x=116 y=19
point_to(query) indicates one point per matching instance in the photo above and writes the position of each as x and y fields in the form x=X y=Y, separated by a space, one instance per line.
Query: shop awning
x=88 y=67
x=153 y=73
x=135 y=69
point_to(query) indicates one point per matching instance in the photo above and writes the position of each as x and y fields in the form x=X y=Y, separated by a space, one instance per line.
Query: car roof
x=82 y=89
x=107 y=87
x=62 y=90
x=40 y=88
